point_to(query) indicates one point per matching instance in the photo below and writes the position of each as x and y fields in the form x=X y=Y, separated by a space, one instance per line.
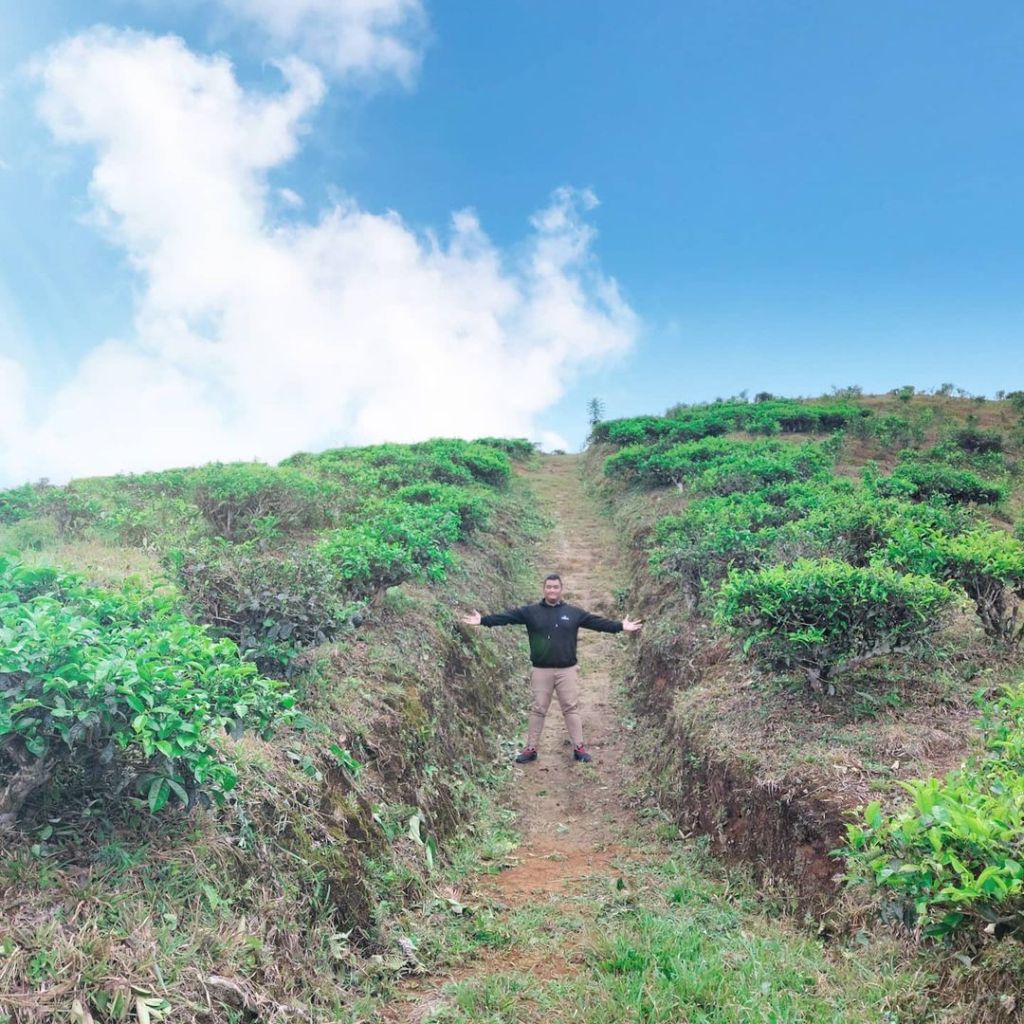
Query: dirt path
x=571 y=816
x=569 y=811
x=601 y=914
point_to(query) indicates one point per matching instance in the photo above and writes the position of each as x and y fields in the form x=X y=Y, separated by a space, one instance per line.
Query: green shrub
x=766 y=416
x=70 y=510
x=750 y=469
x=715 y=465
x=149 y=521
x=975 y=440
x=820 y=617
x=270 y=606
x=485 y=464
x=516 y=448
x=920 y=481
x=987 y=564
x=893 y=432
x=88 y=674
x=390 y=466
x=19 y=503
x=659 y=464
x=855 y=526
x=742 y=531
x=955 y=856
x=702 y=544
x=393 y=542
x=671 y=429
x=949 y=453
x=235 y=498
x=472 y=507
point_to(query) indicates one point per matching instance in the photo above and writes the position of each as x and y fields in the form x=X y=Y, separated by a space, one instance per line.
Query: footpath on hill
x=604 y=912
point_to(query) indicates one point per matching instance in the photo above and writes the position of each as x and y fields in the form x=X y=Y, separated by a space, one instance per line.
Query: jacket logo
x=565 y=618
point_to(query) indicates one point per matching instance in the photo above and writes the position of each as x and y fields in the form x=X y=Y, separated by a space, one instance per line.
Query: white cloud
x=550 y=441
x=363 y=38
x=255 y=338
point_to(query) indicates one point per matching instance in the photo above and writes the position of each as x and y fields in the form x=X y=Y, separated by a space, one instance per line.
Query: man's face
x=552 y=591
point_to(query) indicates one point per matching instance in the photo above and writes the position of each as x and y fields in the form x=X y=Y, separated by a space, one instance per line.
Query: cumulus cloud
x=256 y=337
x=361 y=38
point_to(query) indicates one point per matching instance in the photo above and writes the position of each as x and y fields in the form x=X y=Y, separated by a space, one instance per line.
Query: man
x=552 y=626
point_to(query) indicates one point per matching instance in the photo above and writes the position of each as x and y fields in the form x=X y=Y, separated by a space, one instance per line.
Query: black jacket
x=552 y=630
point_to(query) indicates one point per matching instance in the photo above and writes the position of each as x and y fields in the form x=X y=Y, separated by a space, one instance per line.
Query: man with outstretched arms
x=552 y=626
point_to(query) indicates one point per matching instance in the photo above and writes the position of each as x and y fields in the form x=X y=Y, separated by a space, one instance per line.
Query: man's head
x=552 y=588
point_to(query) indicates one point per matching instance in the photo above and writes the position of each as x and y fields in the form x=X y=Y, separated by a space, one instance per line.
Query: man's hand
x=632 y=626
x=472 y=619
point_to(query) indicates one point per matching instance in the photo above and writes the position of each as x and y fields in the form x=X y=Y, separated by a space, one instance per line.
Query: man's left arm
x=602 y=625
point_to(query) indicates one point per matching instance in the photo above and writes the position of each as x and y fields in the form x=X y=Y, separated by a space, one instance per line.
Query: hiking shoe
x=526 y=754
x=580 y=754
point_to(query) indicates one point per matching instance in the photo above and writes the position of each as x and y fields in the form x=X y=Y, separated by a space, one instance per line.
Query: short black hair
x=552 y=576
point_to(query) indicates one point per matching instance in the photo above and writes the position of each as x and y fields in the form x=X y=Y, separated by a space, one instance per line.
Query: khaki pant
x=562 y=682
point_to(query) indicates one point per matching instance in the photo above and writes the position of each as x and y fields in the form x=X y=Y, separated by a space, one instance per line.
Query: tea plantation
x=224 y=696
x=862 y=561
x=245 y=737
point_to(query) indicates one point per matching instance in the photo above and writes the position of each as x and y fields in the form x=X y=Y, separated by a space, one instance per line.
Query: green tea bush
x=270 y=606
x=87 y=675
x=750 y=469
x=235 y=498
x=977 y=441
x=948 y=453
x=919 y=481
x=781 y=523
x=70 y=510
x=822 y=616
x=393 y=542
x=485 y=464
x=769 y=416
x=716 y=465
x=396 y=511
x=661 y=464
x=645 y=429
x=819 y=419
x=149 y=521
x=519 y=449
x=19 y=503
x=987 y=564
x=472 y=507
x=712 y=536
x=390 y=466
x=857 y=525
x=893 y=432
x=955 y=856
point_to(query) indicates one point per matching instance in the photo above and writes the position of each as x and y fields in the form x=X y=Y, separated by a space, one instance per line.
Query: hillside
x=253 y=766
x=833 y=589
x=238 y=724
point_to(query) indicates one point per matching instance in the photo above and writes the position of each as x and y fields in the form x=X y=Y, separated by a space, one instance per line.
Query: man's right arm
x=513 y=617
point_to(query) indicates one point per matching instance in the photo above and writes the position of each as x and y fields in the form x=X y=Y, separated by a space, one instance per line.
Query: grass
x=668 y=936
x=294 y=893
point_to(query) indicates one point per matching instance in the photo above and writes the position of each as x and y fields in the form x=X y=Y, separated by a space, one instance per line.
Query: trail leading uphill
x=603 y=914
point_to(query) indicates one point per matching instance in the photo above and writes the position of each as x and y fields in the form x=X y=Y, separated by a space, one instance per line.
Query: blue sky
x=791 y=196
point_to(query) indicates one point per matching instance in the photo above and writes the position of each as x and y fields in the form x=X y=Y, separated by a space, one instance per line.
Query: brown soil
x=568 y=813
